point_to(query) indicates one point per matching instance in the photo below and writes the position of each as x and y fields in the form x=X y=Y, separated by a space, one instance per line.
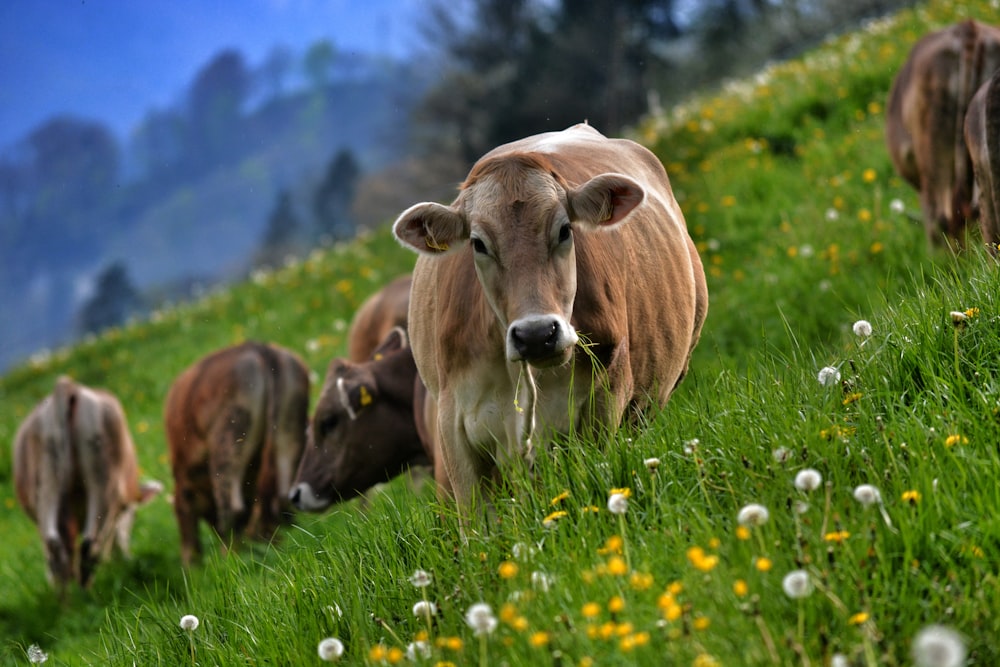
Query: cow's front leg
x=462 y=462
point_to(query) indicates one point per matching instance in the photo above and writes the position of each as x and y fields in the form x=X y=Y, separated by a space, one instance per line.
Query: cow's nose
x=538 y=338
x=295 y=495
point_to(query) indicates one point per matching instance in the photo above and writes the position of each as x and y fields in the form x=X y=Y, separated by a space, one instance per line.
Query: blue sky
x=112 y=60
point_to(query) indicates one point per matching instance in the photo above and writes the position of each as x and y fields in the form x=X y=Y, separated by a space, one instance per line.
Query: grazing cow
x=236 y=426
x=559 y=289
x=363 y=430
x=377 y=316
x=925 y=117
x=982 y=137
x=76 y=476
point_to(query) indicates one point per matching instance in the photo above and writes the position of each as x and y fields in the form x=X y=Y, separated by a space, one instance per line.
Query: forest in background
x=255 y=163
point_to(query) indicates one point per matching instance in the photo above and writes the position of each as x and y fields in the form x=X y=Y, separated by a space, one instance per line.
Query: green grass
x=916 y=413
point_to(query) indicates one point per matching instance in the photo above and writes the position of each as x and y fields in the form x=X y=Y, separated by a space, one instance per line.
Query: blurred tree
x=215 y=108
x=113 y=301
x=280 y=234
x=318 y=63
x=274 y=71
x=334 y=195
x=158 y=147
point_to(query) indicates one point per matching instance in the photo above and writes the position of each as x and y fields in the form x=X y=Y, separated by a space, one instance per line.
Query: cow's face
x=520 y=225
x=362 y=430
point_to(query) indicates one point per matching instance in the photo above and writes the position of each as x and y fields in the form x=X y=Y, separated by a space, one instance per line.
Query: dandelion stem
x=958 y=373
x=482 y=650
x=768 y=639
x=621 y=528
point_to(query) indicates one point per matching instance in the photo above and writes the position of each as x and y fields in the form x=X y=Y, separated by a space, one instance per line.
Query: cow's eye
x=564 y=233
x=479 y=246
x=327 y=424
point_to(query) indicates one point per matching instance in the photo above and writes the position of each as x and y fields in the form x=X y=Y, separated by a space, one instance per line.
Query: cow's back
x=377 y=316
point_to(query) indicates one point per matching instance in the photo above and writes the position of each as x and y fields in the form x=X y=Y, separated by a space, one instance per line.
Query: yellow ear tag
x=434 y=245
x=377 y=357
x=366 y=398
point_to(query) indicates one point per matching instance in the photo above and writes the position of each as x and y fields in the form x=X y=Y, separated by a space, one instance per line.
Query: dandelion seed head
x=897 y=206
x=781 y=454
x=839 y=660
x=36 y=655
x=828 y=376
x=480 y=618
x=832 y=214
x=330 y=649
x=541 y=581
x=866 y=494
x=808 y=480
x=862 y=328
x=618 y=503
x=797 y=584
x=651 y=464
x=753 y=514
x=418 y=650
x=421 y=578
x=189 y=622
x=938 y=646
x=424 y=608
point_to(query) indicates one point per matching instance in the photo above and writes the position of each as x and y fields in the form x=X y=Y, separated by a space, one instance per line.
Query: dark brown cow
x=925 y=118
x=377 y=316
x=363 y=430
x=560 y=289
x=982 y=137
x=236 y=426
x=76 y=476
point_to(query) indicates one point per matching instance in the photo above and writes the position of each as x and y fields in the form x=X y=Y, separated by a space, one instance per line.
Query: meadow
x=817 y=492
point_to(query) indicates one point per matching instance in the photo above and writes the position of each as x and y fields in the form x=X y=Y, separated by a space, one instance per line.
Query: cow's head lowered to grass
x=519 y=217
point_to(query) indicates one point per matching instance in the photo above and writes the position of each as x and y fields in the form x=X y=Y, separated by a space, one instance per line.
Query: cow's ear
x=604 y=200
x=355 y=395
x=394 y=340
x=431 y=228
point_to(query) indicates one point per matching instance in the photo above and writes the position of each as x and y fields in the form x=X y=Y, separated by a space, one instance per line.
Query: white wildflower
x=897 y=206
x=938 y=646
x=828 y=376
x=808 y=480
x=839 y=660
x=797 y=584
x=330 y=649
x=618 y=503
x=189 y=622
x=541 y=581
x=753 y=515
x=418 y=650
x=651 y=464
x=421 y=578
x=424 y=609
x=832 y=214
x=481 y=619
x=866 y=494
x=862 y=328
x=36 y=655
x=781 y=454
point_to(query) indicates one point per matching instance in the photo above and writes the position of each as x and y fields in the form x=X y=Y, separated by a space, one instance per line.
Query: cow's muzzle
x=304 y=498
x=540 y=340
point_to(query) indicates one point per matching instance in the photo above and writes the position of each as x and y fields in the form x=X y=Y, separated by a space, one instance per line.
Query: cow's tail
x=970 y=74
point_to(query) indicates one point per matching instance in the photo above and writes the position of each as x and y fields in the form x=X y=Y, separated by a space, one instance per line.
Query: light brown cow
x=76 y=476
x=925 y=117
x=982 y=137
x=363 y=430
x=377 y=316
x=559 y=289
x=236 y=426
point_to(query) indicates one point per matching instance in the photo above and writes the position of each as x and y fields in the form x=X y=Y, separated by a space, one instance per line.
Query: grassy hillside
x=804 y=229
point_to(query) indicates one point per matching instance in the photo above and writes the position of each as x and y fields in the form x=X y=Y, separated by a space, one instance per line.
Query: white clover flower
x=808 y=480
x=866 y=494
x=651 y=464
x=541 y=581
x=753 y=515
x=832 y=214
x=36 y=655
x=189 y=622
x=618 y=503
x=481 y=619
x=797 y=584
x=418 y=650
x=828 y=376
x=424 y=609
x=938 y=646
x=421 y=578
x=330 y=649
x=862 y=328
x=897 y=206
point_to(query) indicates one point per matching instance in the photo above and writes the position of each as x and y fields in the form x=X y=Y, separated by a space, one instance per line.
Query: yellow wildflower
x=625 y=491
x=701 y=623
x=617 y=566
x=763 y=564
x=851 y=398
x=613 y=545
x=558 y=499
x=955 y=439
x=858 y=618
x=705 y=660
x=616 y=604
x=912 y=497
x=742 y=533
x=869 y=175
x=837 y=536
x=641 y=581
x=740 y=588
x=395 y=655
x=539 y=639
x=553 y=517
x=507 y=569
x=591 y=609
x=377 y=653
x=675 y=588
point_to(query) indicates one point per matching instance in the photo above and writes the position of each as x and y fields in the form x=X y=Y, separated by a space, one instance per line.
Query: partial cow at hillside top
x=982 y=137
x=557 y=292
x=236 y=427
x=379 y=314
x=925 y=116
x=77 y=477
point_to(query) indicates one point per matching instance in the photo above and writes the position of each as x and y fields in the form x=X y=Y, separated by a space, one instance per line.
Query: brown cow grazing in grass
x=76 y=476
x=925 y=117
x=982 y=137
x=236 y=425
x=383 y=311
x=559 y=291
x=363 y=430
